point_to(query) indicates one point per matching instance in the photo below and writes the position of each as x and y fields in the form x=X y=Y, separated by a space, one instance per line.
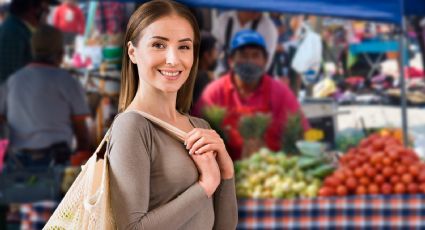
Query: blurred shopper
x=229 y=23
x=45 y=106
x=207 y=64
x=15 y=34
x=247 y=89
x=70 y=19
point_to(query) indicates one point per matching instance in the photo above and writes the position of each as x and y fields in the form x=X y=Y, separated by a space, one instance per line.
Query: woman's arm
x=225 y=202
x=225 y=205
x=130 y=178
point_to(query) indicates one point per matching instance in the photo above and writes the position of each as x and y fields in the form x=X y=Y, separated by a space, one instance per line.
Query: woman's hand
x=209 y=172
x=201 y=141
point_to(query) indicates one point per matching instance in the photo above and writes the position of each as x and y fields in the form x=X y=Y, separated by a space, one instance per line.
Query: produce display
x=379 y=165
x=269 y=174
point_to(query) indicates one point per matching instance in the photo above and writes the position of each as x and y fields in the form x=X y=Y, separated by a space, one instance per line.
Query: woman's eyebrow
x=166 y=39
x=185 y=40
x=160 y=37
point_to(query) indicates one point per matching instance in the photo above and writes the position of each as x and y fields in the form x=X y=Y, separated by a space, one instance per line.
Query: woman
x=155 y=183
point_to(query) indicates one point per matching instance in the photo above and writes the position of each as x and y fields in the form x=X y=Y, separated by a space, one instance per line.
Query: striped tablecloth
x=352 y=212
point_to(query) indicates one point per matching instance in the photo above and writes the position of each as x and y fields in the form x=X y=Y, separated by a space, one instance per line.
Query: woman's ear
x=131 y=50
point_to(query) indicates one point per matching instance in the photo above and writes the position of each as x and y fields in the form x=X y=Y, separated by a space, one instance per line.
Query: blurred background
x=356 y=68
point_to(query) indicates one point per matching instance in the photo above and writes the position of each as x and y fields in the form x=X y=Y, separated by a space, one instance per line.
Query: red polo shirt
x=271 y=96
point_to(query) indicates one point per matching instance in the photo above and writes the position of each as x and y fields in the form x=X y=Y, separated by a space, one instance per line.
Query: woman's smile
x=171 y=75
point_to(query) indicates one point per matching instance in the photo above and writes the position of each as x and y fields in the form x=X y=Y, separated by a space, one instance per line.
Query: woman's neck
x=156 y=103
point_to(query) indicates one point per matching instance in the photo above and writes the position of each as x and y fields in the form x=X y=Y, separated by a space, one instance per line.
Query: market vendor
x=247 y=89
x=45 y=106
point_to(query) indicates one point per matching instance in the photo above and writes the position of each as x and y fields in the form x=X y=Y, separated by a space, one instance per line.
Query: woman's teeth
x=169 y=74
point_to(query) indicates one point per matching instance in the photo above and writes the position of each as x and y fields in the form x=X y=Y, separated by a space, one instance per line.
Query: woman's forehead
x=171 y=27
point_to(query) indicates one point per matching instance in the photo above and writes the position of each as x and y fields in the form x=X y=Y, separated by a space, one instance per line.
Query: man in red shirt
x=247 y=89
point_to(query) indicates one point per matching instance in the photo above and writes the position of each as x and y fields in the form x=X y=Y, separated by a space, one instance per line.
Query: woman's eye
x=158 y=45
x=185 y=47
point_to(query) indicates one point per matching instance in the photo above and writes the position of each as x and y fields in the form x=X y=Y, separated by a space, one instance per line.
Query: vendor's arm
x=130 y=162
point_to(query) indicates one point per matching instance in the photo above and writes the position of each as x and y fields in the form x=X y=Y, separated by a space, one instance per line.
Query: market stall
x=257 y=208
x=300 y=206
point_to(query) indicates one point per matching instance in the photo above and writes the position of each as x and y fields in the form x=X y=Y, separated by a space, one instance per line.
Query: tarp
x=390 y=11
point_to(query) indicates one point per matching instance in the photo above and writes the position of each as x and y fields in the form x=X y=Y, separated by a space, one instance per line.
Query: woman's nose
x=172 y=57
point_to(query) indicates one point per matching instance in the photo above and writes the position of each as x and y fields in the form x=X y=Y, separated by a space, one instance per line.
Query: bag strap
x=176 y=132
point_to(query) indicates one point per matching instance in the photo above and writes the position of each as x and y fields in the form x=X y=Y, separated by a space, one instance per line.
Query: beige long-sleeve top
x=154 y=182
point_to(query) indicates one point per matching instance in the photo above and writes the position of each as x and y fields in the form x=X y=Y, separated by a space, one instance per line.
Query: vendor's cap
x=247 y=37
x=47 y=40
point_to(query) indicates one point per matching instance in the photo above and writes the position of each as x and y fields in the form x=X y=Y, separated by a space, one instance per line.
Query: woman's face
x=164 y=53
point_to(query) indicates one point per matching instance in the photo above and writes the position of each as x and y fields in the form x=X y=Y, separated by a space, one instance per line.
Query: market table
x=351 y=212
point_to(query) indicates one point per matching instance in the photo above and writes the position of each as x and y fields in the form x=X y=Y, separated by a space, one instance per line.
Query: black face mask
x=248 y=72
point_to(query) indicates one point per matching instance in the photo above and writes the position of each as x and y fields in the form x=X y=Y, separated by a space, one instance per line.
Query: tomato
x=413 y=188
x=393 y=154
x=401 y=169
x=373 y=189
x=351 y=183
x=361 y=190
x=399 y=188
x=359 y=172
x=395 y=179
x=379 y=179
x=386 y=189
x=370 y=171
x=415 y=170
x=326 y=191
x=387 y=161
x=387 y=171
x=378 y=144
x=341 y=190
x=331 y=181
x=364 y=181
x=421 y=176
x=340 y=175
x=406 y=178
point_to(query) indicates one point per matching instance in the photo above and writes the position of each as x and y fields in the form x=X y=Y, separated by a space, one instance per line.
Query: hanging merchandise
x=308 y=56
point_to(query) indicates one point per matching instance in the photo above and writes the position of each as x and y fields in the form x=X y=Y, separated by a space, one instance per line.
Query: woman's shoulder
x=130 y=122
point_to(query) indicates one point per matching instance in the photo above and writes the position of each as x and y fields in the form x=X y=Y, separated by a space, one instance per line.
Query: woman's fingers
x=196 y=134
x=207 y=148
x=198 y=144
x=192 y=137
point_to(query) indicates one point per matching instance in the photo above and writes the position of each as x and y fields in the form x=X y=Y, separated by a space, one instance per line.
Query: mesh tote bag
x=86 y=204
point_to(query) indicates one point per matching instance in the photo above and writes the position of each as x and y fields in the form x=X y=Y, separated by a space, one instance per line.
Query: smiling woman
x=156 y=182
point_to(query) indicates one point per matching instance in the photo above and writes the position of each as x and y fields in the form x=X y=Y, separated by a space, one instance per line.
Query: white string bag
x=86 y=205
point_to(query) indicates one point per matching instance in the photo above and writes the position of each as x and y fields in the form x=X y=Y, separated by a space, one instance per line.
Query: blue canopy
x=376 y=10
x=390 y=11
